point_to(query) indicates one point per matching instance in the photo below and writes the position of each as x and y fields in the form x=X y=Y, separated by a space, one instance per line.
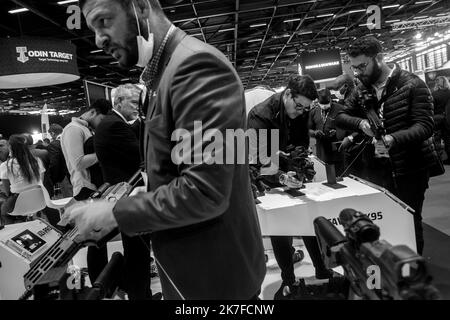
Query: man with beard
x=400 y=158
x=201 y=215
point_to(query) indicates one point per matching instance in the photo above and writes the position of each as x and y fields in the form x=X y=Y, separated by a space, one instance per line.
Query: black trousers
x=136 y=277
x=283 y=251
x=97 y=258
x=408 y=188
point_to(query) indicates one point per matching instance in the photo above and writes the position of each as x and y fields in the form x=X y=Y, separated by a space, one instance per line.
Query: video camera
x=402 y=274
x=52 y=264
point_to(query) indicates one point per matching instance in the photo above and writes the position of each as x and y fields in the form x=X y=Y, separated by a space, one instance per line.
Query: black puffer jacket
x=408 y=113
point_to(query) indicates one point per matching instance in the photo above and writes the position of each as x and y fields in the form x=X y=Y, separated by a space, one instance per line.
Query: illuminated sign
x=36 y=62
x=321 y=65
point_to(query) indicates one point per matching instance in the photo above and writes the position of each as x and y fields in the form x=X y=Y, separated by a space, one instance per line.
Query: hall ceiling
x=262 y=38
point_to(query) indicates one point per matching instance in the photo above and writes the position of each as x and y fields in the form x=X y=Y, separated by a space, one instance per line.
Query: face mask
x=145 y=47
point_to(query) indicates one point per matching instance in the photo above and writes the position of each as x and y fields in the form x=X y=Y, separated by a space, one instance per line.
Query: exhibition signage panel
x=282 y=214
x=36 y=62
x=321 y=65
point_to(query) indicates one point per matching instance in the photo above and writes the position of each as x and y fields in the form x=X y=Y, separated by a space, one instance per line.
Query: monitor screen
x=95 y=91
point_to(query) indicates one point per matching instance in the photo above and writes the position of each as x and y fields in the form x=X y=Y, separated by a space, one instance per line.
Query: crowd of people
x=201 y=218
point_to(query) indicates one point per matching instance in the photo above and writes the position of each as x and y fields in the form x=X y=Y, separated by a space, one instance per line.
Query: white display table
x=282 y=214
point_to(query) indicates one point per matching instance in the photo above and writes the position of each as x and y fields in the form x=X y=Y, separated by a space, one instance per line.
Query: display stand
x=331 y=178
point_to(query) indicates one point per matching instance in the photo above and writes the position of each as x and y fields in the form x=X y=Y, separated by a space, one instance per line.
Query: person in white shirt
x=73 y=138
x=20 y=172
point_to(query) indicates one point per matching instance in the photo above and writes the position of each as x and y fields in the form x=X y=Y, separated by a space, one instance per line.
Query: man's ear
x=379 y=57
x=287 y=93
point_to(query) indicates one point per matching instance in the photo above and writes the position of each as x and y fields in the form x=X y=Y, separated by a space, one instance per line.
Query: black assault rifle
x=402 y=273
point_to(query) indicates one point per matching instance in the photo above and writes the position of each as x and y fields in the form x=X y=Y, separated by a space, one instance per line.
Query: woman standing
x=20 y=172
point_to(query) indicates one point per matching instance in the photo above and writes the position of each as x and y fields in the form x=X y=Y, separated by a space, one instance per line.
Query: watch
x=350 y=137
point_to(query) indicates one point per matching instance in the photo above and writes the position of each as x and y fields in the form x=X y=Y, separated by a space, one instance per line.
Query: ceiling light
x=338 y=28
x=255 y=40
x=392 y=21
x=292 y=20
x=366 y=24
x=97 y=51
x=391 y=6
x=325 y=15
x=18 y=10
x=422 y=2
x=225 y=30
x=359 y=10
x=418 y=35
x=421 y=17
x=258 y=25
x=66 y=2
x=304 y=32
x=114 y=62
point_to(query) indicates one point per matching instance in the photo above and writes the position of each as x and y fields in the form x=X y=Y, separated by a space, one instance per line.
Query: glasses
x=300 y=106
x=361 y=67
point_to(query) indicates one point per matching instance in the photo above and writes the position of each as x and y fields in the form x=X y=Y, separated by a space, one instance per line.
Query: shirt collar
x=120 y=115
x=82 y=122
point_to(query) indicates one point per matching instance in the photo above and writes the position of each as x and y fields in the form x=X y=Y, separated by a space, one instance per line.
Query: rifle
x=51 y=265
x=296 y=159
x=402 y=273
x=370 y=104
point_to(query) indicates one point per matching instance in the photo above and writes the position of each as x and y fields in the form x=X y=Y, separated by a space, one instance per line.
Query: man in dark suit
x=202 y=218
x=117 y=149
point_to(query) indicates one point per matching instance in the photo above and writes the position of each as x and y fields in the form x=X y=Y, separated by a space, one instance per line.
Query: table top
x=315 y=192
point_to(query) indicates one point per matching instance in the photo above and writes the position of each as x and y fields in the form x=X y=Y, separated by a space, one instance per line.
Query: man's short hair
x=124 y=91
x=324 y=96
x=302 y=85
x=368 y=46
x=55 y=128
x=101 y=106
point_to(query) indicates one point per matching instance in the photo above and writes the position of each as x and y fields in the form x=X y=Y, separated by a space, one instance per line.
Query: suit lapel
x=171 y=45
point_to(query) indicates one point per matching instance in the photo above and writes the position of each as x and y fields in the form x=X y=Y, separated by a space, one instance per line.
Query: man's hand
x=290 y=181
x=365 y=127
x=346 y=143
x=389 y=141
x=331 y=134
x=318 y=134
x=94 y=219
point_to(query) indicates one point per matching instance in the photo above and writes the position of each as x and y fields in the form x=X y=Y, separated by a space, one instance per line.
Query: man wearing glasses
x=287 y=111
x=404 y=105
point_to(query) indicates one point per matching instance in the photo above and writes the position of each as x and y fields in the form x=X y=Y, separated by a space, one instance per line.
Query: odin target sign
x=321 y=65
x=36 y=62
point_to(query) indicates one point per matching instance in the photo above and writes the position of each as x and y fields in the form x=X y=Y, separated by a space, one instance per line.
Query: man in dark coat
x=402 y=155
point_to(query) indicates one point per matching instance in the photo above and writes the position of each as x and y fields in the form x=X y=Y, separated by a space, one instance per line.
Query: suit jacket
x=117 y=149
x=57 y=167
x=202 y=217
